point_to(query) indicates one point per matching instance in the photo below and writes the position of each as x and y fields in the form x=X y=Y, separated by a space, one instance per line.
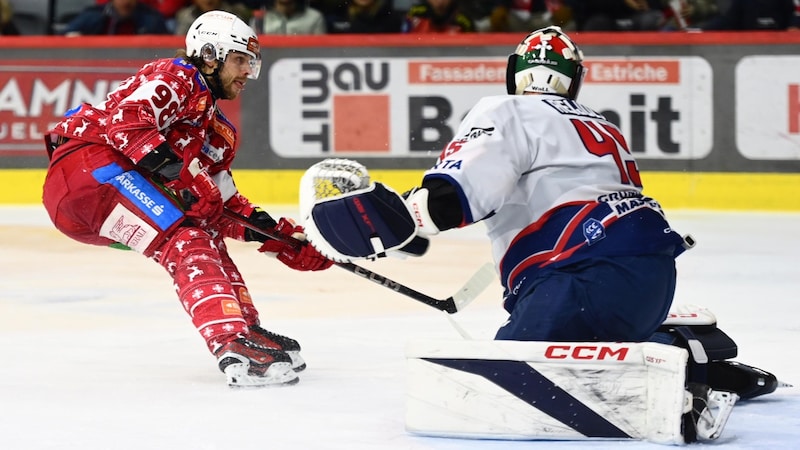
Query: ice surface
x=98 y=353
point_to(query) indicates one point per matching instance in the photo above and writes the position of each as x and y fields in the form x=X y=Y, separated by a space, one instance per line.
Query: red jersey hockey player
x=149 y=169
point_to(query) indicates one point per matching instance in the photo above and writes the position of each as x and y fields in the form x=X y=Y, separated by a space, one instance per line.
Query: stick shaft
x=448 y=304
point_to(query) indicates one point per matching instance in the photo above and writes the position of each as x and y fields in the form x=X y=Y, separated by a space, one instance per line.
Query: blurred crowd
x=299 y=17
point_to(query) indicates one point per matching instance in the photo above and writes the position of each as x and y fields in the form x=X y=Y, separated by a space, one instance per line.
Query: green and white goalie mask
x=548 y=62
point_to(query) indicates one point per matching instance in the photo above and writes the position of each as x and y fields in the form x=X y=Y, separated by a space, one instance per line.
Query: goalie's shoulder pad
x=361 y=224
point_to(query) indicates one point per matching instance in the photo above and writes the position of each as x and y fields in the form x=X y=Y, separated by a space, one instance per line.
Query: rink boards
x=674 y=190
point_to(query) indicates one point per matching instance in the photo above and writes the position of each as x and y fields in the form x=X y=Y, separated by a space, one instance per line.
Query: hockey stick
x=457 y=302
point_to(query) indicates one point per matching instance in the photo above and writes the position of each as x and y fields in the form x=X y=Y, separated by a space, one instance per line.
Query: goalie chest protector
x=546 y=390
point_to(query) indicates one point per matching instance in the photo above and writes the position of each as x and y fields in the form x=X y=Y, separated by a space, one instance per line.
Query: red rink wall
x=713 y=118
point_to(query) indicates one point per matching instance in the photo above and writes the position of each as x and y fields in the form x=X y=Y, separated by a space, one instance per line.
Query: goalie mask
x=216 y=33
x=546 y=61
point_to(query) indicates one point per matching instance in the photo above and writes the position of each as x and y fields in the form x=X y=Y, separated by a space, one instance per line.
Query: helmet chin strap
x=215 y=83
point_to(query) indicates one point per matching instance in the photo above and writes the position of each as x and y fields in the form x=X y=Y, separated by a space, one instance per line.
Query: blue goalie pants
x=623 y=298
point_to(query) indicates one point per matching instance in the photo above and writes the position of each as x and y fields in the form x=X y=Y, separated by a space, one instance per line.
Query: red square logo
x=361 y=123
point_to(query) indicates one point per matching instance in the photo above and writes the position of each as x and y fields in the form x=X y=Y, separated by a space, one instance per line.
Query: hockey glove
x=293 y=249
x=261 y=220
x=199 y=193
x=162 y=161
x=370 y=223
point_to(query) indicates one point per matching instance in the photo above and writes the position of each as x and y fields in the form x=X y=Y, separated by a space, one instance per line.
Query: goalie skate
x=246 y=364
x=746 y=381
x=706 y=412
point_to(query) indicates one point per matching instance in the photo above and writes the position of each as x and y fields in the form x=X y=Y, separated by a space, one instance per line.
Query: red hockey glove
x=294 y=250
x=200 y=194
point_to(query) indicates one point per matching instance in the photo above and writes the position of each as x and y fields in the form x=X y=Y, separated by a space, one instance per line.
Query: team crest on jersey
x=593 y=231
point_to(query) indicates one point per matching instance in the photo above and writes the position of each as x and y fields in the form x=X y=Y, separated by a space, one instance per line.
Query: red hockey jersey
x=169 y=101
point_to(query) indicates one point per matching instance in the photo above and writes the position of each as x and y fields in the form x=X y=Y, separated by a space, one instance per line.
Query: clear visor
x=245 y=62
x=255 y=68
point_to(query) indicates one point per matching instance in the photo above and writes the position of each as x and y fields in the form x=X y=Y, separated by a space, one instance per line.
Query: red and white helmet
x=546 y=61
x=216 y=33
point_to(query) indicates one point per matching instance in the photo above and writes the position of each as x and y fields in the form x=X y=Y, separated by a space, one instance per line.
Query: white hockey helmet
x=216 y=33
x=546 y=61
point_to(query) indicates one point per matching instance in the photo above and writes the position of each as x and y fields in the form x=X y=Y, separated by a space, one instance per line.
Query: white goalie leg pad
x=546 y=390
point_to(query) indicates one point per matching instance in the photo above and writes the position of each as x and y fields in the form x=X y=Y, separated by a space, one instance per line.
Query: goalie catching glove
x=293 y=249
x=368 y=223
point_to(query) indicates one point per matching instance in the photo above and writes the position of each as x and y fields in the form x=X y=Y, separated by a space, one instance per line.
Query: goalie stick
x=457 y=302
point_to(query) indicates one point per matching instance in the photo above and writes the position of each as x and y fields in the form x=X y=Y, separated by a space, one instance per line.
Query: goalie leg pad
x=547 y=390
x=361 y=224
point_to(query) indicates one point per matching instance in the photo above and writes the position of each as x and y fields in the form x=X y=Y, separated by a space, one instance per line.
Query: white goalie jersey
x=516 y=158
x=553 y=181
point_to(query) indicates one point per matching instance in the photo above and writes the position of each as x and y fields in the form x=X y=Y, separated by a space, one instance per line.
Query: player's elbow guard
x=417 y=201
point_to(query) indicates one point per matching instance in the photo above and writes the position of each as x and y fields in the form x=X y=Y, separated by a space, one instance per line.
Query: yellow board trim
x=674 y=190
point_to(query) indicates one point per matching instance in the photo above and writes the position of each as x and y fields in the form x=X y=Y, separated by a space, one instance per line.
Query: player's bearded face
x=233 y=75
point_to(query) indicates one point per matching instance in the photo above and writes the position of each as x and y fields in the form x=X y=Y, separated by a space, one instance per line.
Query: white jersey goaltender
x=587 y=262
